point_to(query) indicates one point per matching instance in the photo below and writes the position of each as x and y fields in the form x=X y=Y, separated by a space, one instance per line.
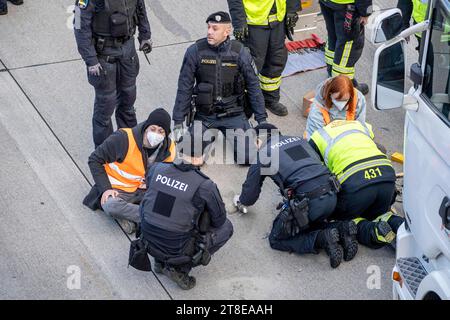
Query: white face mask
x=154 y=138
x=340 y=104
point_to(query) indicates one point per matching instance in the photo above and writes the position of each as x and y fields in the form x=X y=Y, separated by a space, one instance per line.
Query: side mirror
x=386 y=26
x=388 y=83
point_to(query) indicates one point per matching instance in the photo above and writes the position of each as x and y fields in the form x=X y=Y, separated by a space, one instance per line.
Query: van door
x=427 y=142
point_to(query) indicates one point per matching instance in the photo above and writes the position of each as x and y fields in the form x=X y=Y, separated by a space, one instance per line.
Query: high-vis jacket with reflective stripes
x=258 y=11
x=130 y=174
x=345 y=143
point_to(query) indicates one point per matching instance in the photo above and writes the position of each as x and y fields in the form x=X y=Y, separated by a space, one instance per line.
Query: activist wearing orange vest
x=336 y=99
x=120 y=163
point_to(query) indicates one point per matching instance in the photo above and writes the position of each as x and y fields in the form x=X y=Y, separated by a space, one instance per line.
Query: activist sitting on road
x=184 y=220
x=120 y=163
x=336 y=99
x=309 y=191
x=366 y=176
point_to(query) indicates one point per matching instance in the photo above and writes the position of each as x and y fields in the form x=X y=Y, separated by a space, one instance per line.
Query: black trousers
x=369 y=203
x=266 y=44
x=303 y=242
x=343 y=49
x=115 y=90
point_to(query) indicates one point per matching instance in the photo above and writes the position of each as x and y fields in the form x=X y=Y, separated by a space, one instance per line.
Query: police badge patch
x=82 y=4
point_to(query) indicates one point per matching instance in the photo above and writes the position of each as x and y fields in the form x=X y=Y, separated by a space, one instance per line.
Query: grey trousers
x=125 y=205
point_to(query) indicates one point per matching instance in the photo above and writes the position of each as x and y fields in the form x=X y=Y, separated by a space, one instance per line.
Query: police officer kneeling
x=309 y=192
x=183 y=216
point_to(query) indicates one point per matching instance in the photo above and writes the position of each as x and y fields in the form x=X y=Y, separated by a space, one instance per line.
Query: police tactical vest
x=296 y=157
x=168 y=201
x=114 y=18
x=221 y=70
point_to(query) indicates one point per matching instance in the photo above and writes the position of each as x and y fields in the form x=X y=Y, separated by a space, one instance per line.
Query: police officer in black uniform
x=104 y=32
x=309 y=192
x=4 y=5
x=218 y=71
x=183 y=217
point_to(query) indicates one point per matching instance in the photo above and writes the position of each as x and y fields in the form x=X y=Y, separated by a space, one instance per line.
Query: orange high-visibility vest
x=130 y=174
x=351 y=115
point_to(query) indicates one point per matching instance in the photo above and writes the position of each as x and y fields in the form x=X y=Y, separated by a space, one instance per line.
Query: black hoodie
x=114 y=149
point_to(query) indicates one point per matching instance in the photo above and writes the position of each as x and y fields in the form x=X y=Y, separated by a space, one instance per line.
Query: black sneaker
x=347 y=237
x=362 y=87
x=328 y=239
x=3 y=11
x=182 y=279
x=16 y=2
x=277 y=108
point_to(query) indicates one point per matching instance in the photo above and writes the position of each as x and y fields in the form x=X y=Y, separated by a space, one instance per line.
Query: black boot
x=182 y=279
x=347 y=238
x=16 y=2
x=328 y=239
x=3 y=10
x=277 y=108
x=329 y=70
x=363 y=87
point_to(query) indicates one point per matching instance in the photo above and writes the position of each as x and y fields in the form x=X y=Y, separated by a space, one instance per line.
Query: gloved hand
x=241 y=33
x=146 y=46
x=95 y=70
x=291 y=20
x=178 y=131
x=241 y=208
x=288 y=225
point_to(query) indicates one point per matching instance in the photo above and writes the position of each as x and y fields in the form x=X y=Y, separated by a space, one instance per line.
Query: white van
x=422 y=269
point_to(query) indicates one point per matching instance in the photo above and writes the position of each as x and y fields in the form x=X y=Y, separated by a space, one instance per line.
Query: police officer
x=366 y=176
x=218 y=71
x=4 y=5
x=345 y=21
x=417 y=9
x=310 y=197
x=262 y=26
x=104 y=32
x=173 y=214
x=120 y=163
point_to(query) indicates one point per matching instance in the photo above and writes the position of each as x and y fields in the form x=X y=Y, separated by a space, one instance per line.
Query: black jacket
x=186 y=82
x=83 y=29
x=113 y=149
x=239 y=17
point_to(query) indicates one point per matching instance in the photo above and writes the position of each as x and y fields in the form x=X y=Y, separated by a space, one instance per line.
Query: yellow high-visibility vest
x=258 y=11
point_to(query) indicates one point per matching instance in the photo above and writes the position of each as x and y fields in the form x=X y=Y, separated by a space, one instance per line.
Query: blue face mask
x=340 y=105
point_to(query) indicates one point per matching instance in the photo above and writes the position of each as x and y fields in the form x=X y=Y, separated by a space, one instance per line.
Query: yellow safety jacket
x=419 y=12
x=342 y=1
x=258 y=11
x=347 y=147
x=130 y=174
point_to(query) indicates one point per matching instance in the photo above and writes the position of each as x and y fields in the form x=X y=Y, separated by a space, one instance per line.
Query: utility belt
x=101 y=43
x=193 y=254
x=296 y=205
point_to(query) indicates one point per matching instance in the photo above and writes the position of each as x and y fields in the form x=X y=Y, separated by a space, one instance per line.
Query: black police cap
x=219 y=17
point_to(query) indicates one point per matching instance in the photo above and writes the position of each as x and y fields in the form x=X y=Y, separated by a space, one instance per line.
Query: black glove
x=291 y=20
x=289 y=227
x=241 y=33
x=146 y=46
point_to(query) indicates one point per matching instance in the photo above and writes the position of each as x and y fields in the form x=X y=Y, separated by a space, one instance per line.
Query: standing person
x=336 y=99
x=104 y=32
x=345 y=21
x=120 y=163
x=262 y=25
x=219 y=72
x=4 y=5
x=311 y=191
x=366 y=176
x=417 y=9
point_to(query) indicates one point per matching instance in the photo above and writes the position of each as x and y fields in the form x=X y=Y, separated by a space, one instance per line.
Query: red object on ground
x=313 y=42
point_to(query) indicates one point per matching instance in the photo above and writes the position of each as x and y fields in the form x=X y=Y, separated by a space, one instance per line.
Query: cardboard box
x=308 y=98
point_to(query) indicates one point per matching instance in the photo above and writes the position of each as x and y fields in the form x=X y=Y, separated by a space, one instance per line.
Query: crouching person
x=183 y=216
x=120 y=163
